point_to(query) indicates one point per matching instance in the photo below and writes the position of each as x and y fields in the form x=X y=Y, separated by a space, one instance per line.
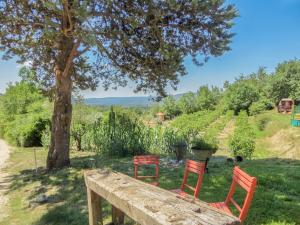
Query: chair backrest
x=146 y=160
x=193 y=167
x=246 y=182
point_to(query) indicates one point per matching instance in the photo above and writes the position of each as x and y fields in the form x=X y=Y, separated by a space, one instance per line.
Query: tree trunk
x=58 y=155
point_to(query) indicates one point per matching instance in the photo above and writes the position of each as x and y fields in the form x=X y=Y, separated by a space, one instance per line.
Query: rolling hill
x=142 y=101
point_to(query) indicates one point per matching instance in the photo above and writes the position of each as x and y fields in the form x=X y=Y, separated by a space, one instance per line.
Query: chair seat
x=222 y=206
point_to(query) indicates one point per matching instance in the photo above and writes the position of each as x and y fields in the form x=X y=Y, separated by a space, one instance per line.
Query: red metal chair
x=245 y=181
x=147 y=160
x=191 y=167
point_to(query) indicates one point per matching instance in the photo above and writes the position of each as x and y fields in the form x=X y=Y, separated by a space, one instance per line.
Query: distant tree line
x=252 y=93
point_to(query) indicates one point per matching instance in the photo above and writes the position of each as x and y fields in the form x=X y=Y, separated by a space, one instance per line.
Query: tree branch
x=16 y=22
x=70 y=59
x=78 y=53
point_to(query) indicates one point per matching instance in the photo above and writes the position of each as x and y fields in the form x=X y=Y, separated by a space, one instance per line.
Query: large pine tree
x=81 y=43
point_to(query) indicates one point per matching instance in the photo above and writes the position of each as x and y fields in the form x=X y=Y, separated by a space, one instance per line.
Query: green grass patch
x=275 y=122
x=276 y=200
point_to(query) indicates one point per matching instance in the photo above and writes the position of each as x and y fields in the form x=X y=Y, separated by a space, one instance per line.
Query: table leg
x=94 y=207
x=117 y=216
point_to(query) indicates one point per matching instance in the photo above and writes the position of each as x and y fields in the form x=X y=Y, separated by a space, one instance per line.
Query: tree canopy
x=285 y=82
x=145 y=41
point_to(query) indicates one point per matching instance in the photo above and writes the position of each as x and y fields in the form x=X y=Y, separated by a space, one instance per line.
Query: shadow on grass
x=276 y=200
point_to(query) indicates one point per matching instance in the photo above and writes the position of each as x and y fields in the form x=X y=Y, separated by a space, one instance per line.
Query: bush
x=192 y=124
x=83 y=118
x=262 y=123
x=260 y=106
x=177 y=144
x=121 y=134
x=170 y=107
x=242 y=143
x=26 y=130
x=24 y=114
x=204 y=144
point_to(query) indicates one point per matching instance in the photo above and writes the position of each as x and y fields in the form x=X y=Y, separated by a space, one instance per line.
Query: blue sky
x=267 y=33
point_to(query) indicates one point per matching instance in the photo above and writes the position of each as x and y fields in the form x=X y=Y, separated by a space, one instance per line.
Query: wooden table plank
x=151 y=205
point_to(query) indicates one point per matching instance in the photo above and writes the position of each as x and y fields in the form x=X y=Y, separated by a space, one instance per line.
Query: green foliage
x=262 y=122
x=18 y=98
x=155 y=108
x=187 y=103
x=207 y=99
x=285 y=82
x=200 y=143
x=46 y=137
x=151 y=44
x=212 y=131
x=170 y=107
x=120 y=134
x=83 y=118
x=242 y=143
x=177 y=143
x=24 y=114
x=192 y=124
x=240 y=96
x=248 y=90
x=260 y=106
x=204 y=99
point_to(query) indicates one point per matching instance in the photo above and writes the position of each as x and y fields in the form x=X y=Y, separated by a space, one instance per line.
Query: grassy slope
x=276 y=201
x=276 y=123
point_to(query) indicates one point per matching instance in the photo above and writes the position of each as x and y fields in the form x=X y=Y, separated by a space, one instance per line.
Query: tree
x=207 y=99
x=18 y=97
x=24 y=114
x=76 y=44
x=240 y=96
x=285 y=82
x=188 y=103
x=170 y=107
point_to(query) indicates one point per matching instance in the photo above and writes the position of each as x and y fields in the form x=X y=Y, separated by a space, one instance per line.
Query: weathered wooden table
x=145 y=203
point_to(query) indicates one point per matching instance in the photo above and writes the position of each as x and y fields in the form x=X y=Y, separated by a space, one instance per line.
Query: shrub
x=177 y=144
x=260 y=106
x=192 y=124
x=242 y=143
x=24 y=114
x=121 y=134
x=170 y=107
x=262 y=123
x=83 y=118
x=212 y=132
x=204 y=144
x=26 y=130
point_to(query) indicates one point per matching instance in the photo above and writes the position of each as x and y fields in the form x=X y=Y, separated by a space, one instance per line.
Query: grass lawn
x=276 y=201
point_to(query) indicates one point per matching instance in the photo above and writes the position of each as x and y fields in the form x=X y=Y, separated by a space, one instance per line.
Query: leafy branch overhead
x=113 y=41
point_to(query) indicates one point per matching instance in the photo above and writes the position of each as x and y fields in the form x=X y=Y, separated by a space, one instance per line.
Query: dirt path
x=223 y=138
x=4 y=177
